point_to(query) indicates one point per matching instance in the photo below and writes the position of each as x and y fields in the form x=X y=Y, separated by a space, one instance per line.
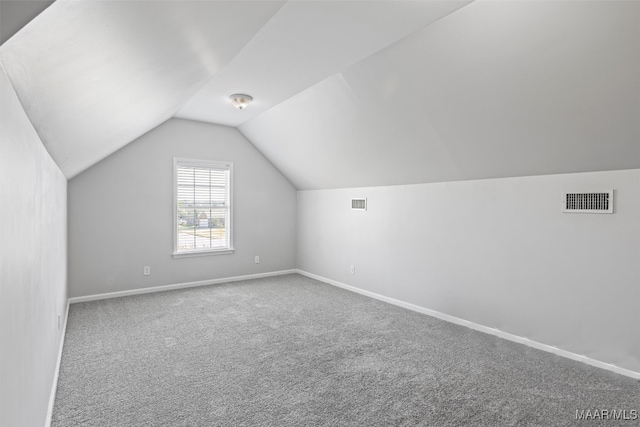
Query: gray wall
x=33 y=266
x=121 y=213
x=495 y=252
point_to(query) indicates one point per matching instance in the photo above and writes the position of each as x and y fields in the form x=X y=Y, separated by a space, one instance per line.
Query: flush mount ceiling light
x=240 y=100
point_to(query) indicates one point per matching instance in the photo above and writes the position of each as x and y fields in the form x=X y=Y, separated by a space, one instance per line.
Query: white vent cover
x=600 y=202
x=359 y=204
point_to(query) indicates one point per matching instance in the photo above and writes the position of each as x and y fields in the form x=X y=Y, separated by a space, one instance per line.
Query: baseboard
x=478 y=327
x=176 y=286
x=54 y=386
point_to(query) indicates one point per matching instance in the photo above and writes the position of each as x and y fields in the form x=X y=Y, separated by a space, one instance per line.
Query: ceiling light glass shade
x=240 y=100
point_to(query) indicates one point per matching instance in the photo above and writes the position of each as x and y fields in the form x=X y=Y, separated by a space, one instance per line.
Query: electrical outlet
x=147 y=270
x=257 y=260
x=352 y=269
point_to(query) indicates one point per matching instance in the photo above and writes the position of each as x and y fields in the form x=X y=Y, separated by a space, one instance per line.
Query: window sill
x=202 y=253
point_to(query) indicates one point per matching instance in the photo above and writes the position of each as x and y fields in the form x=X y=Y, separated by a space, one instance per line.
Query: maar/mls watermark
x=606 y=414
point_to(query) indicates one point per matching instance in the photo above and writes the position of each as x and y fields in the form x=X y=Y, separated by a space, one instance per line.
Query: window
x=202 y=207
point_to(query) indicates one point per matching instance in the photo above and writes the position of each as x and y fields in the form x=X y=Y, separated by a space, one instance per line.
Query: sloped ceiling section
x=347 y=93
x=496 y=89
x=304 y=43
x=15 y=14
x=94 y=75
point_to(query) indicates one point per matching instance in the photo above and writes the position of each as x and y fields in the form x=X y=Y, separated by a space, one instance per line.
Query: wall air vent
x=359 y=204
x=601 y=202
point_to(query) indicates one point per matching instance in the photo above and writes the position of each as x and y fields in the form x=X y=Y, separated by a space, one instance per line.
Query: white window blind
x=202 y=206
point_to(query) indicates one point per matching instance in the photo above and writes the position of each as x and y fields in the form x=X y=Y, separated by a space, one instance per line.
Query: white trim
x=478 y=327
x=54 y=386
x=226 y=251
x=228 y=225
x=176 y=286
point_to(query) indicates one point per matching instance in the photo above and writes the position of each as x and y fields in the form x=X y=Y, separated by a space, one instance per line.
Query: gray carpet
x=291 y=351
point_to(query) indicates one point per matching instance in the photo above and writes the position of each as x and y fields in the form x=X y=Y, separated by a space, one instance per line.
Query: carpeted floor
x=291 y=351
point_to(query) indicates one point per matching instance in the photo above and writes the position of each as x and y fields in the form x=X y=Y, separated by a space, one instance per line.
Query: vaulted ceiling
x=347 y=93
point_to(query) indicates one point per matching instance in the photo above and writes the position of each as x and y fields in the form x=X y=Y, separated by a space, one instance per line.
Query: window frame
x=178 y=161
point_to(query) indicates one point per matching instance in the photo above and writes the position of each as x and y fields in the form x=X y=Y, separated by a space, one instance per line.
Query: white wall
x=33 y=266
x=495 y=252
x=121 y=213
